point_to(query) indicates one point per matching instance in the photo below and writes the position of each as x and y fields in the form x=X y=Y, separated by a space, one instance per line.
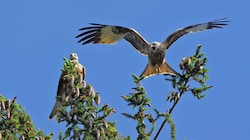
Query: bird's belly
x=156 y=58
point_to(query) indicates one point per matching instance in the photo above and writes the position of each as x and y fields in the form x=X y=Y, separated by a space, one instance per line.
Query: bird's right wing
x=109 y=34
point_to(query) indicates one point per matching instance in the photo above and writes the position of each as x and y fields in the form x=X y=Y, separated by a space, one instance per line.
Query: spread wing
x=218 y=23
x=108 y=34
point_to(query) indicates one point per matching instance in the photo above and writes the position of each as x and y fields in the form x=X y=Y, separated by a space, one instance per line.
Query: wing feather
x=218 y=23
x=108 y=34
x=85 y=33
x=87 y=38
x=137 y=41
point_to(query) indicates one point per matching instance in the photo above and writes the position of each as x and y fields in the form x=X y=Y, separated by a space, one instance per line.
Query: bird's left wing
x=108 y=34
x=61 y=91
x=218 y=23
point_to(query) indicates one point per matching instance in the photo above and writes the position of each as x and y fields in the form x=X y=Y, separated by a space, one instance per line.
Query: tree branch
x=171 y=109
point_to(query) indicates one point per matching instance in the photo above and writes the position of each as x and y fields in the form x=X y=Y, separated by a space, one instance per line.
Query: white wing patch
x=107 y=35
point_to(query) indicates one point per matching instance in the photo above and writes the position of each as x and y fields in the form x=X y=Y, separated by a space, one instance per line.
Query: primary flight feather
x=109 y=34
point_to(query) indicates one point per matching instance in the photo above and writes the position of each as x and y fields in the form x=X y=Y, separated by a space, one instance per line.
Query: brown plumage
x=63 y=84
x=109 y=34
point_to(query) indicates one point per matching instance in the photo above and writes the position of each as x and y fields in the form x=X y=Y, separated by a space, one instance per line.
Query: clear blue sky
x=36 y=35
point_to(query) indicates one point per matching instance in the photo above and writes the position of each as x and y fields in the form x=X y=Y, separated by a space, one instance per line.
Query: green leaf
x=198 y=49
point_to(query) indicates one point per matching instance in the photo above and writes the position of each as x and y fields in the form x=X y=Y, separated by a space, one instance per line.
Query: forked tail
x=151 y=70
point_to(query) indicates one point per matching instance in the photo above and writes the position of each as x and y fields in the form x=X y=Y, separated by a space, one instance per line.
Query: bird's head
x=73 y=56
x=155 y=45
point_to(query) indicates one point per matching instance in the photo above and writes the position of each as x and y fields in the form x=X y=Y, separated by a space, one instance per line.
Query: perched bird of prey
x=63 y=86
x=79 y=67
x=109 y=34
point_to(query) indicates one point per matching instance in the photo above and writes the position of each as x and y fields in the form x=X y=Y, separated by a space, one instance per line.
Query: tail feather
x=164 y=68
x=57 y=105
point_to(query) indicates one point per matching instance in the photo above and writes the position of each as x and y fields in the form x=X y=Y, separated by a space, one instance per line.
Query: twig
x=171 y=110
